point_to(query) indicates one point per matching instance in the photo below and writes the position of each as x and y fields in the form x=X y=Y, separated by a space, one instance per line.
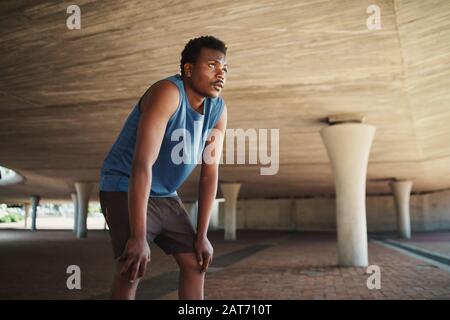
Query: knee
x=124 y=278
x=190 y=266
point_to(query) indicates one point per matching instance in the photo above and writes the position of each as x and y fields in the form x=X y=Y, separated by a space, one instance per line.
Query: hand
x=135 y=257
x=204 y=252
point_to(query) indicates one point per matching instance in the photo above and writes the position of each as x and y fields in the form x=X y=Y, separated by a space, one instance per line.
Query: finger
x=124 y=255
x=126 y=266
x=122 y=258
x=134 y=271
x=199 y=257
x=205 y=263
x=142 y=268
x=210 y=261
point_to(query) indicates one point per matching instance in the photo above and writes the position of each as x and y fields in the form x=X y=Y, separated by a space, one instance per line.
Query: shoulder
x=163 y=93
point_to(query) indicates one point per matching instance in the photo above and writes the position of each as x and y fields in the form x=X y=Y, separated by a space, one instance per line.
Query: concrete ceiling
x=64 y=94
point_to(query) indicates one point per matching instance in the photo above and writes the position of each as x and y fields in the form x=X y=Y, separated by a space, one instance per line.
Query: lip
x=218 y=84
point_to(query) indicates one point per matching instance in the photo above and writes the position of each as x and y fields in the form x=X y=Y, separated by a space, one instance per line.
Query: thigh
x=114 y=206
x=177 y=233
x=154 y=223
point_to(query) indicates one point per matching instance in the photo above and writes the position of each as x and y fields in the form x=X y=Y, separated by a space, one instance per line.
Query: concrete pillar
x=402 y=190
x=192 y=209
x=214 y=221
x=84 y=190
x=34 y=204
x=26 y=211
x=75 y=212
x=230 y=192
x=222 y=214
x=348 y=146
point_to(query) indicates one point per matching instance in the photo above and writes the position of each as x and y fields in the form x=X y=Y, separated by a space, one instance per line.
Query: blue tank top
x=181 y=148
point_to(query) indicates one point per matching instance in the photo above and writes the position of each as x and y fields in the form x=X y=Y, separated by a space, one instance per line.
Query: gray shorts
x=168 y=223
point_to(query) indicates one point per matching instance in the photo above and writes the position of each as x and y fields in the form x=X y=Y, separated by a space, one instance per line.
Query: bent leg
x=191 y=282
x=122 y=288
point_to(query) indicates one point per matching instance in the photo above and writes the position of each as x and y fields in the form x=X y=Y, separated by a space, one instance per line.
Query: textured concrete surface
x=66 y=93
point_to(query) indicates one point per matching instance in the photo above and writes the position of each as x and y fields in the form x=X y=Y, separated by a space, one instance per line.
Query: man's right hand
x=135 y=258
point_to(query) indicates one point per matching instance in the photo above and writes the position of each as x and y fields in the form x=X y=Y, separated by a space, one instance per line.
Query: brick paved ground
x=435 y=242
x=291 y=266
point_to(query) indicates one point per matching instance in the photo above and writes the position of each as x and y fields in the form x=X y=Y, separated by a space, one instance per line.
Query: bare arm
x=208 y=189
x=157 y=106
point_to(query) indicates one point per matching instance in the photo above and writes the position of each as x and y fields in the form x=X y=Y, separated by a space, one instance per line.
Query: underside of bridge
x=65 y=94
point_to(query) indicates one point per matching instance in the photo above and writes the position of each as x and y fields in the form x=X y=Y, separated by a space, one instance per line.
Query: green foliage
x=11 y=218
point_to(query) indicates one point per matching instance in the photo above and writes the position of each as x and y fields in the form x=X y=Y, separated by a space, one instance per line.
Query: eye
x=226 y=70
x=211 y=64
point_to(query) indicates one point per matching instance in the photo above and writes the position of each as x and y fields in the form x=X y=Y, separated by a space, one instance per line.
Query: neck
x=195 y=98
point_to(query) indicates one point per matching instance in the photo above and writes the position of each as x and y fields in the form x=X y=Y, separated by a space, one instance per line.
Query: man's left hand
x=204 y=252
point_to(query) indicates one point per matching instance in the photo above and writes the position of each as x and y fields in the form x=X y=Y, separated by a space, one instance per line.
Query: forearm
x=207 y=195
x=138 y=194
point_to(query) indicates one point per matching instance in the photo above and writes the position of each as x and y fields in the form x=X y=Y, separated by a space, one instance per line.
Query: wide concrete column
x=214 y=220
x=34 y=204
x=348 y=146
x=26 y=211
x=402 y=190
x=84 y=190
x=192 y=209
x=75 y=212
x=230 y=192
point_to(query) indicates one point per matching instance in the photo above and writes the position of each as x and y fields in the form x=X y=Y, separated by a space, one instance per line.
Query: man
x=142 y=171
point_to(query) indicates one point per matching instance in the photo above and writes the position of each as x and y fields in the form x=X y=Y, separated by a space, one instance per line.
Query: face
x=207 y=76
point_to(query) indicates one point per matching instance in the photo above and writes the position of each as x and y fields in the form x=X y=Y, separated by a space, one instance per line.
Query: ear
x=188 y=69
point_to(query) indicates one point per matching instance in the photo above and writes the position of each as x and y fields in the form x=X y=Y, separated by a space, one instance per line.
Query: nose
x=221 y=75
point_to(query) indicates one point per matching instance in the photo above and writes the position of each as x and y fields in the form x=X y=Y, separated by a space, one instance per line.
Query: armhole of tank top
x=139 y=103
x=216 y=118
x=180 y=97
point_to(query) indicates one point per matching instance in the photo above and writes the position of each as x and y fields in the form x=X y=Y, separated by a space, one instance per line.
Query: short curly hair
x=192 y=49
